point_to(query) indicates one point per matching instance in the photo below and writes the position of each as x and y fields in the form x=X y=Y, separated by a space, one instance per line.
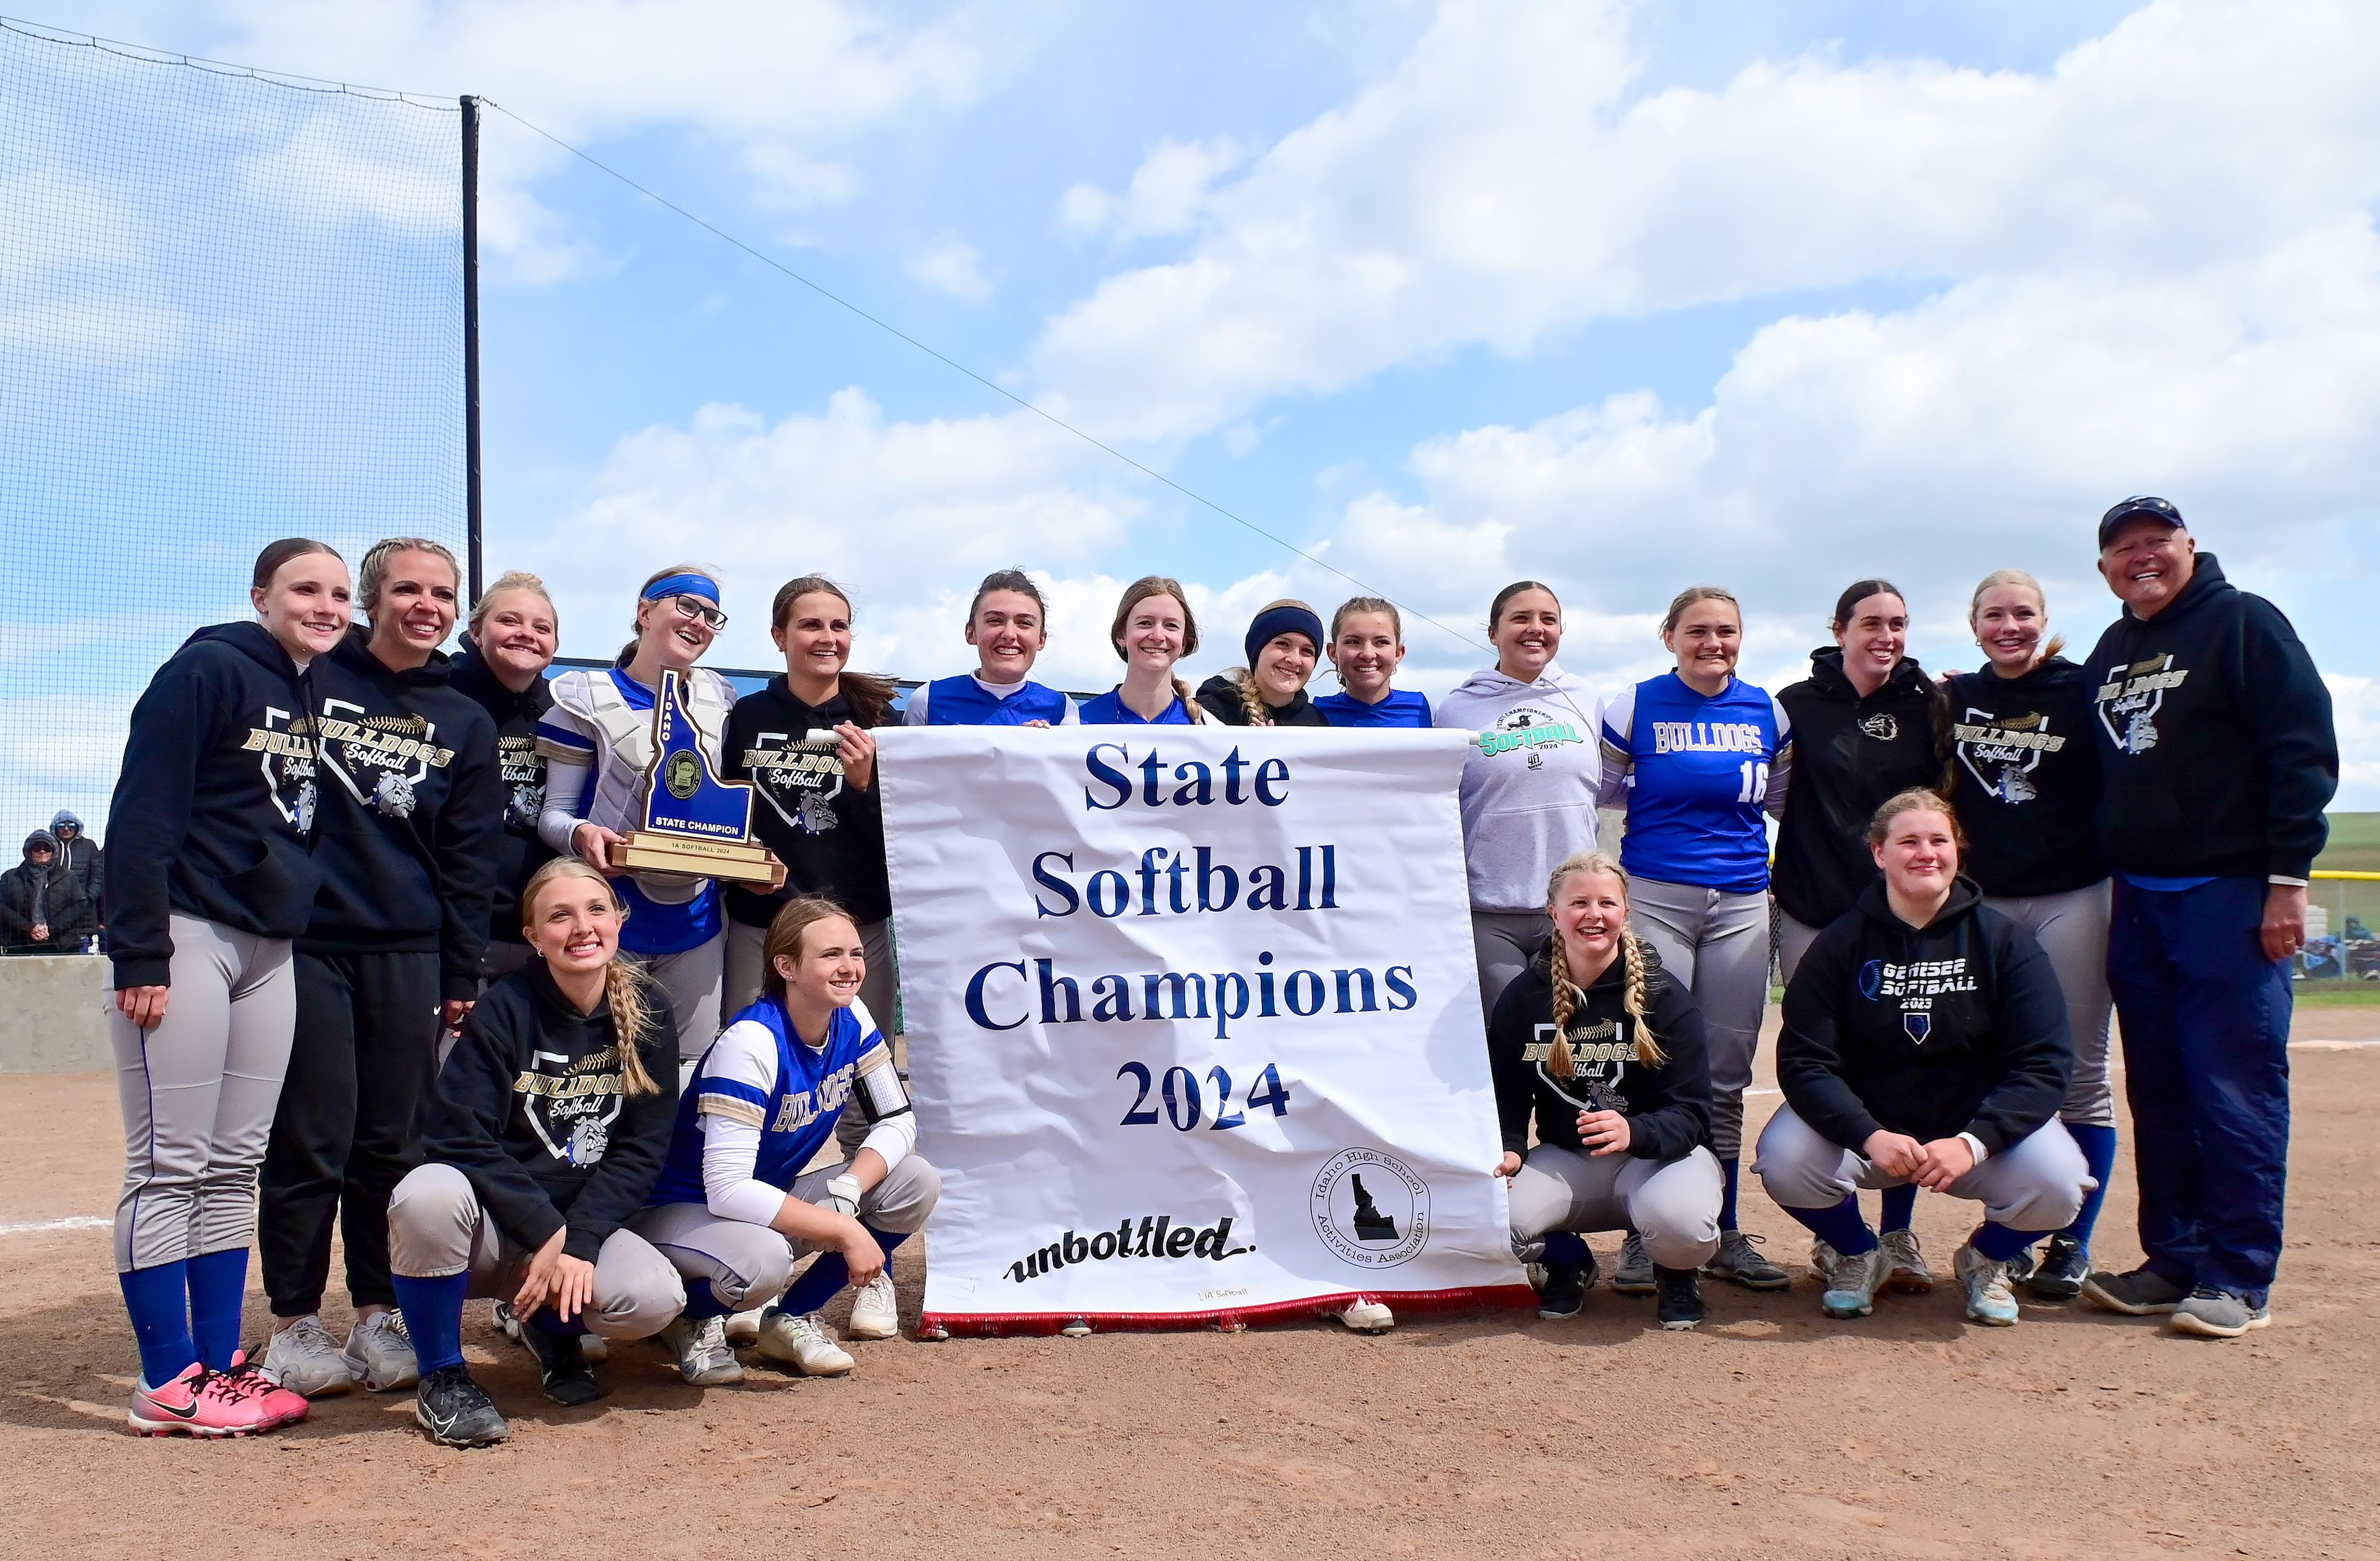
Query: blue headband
x=683 y=585
x=1288 y=618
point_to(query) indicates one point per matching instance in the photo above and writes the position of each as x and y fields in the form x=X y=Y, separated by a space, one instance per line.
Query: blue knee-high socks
x=824 y=1279
x=1732 y=1170
x=433 y=1315
x=1999 y=1242
x=1565 y=1249
x=2098 y=1146
x=159 y=1301
x=1838 y=1226
x=218 y=1286
x=1900 y=1205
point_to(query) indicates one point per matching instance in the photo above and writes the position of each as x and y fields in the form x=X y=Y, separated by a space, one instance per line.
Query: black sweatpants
x=348 y=1128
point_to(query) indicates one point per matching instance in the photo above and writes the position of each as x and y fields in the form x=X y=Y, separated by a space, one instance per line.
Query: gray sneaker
x=305 y=1358
x=1738 y=1261
x=1989 y=1299
x=1633 y=1273
x=1853 y=1281
x=2210 y=1313
x=703 y=1358
x=1905 y=1267
x=2141 y=1292
x=379 y=1352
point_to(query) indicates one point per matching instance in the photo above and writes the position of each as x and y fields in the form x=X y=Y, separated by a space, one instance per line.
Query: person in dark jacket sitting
x=545 y=1131
x=1925 y=1042
x=42 y=910
x=1607 y=1051
x=1283 y=645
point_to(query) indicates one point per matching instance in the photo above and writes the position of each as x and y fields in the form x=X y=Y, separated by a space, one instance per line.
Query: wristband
x=2282 y=879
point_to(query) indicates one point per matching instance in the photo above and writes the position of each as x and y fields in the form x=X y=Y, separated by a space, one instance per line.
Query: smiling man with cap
x=2217 y=757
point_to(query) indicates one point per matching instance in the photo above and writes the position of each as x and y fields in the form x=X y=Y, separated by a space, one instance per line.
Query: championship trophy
x=694 y=822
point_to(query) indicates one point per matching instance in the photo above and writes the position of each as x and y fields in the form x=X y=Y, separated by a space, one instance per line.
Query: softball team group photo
x=380 y=968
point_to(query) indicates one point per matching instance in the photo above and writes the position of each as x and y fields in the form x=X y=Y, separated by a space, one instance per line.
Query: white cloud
x=1168 y=193
x=2355 y=708
x=1502 y=183
x=952 y=266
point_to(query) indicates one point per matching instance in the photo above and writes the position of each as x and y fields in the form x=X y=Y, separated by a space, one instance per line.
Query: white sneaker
x=744 y=1328
x=875 y=1311
x=801 y=1342
x=703 y=1358
x=591 y=1348
x=379 y=1352
x=305 y=1358
x=1368 y=1316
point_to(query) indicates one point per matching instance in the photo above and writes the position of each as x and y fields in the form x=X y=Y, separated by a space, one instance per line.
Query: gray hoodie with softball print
x=1529 y=783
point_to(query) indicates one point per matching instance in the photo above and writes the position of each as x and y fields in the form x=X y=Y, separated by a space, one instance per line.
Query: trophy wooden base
x=739 y=861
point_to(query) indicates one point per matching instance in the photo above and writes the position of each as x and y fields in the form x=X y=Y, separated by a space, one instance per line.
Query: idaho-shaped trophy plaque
x=694 y=822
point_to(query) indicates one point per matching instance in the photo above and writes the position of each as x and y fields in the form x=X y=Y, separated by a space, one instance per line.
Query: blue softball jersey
x=1109 y=710
x=759 y=1074
x=1402 y=707
x=1699 y=771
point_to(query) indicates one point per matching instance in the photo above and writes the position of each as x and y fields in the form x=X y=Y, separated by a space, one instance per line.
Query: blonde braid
x=1251 y=699
x=1632 y=997
x=625 y=988
x=1566 y=996
x=1190 y=705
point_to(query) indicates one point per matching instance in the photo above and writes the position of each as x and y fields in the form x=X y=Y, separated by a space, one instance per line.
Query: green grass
x=2354 y=844
x=2336 y=993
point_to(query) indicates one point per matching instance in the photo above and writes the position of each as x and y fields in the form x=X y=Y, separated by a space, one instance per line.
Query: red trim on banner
x=995 y=1325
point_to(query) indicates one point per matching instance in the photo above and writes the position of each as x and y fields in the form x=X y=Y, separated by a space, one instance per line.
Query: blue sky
x=1623 y=297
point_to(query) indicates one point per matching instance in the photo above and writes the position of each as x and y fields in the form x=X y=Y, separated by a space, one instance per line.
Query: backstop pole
x=471 y=340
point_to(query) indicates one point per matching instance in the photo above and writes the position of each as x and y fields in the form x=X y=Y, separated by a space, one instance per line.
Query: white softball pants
x=2072 y=930
x=1673 y=1204
x=1717 y=945
x=2036 y=1183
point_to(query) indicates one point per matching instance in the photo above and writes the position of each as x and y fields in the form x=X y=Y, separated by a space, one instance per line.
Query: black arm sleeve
x=1678 y=1117
x=466 y=838
x=464 y=1124
x=639 y=1143
x=2288 y=710
x=1809 y=1050
x=2028 y=1024
x=150 y=817
x=1509 y=1033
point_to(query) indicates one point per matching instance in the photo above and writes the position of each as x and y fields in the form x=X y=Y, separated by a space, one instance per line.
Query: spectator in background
x=79 y=854
x=42 y=910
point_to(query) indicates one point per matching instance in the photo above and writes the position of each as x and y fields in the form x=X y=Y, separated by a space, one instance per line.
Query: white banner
x=1193 y=1023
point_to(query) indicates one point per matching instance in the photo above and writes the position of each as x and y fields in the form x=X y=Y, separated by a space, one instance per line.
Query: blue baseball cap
x=2139 y=506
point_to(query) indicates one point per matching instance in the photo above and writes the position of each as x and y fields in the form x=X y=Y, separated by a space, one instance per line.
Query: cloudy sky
x=1622 y=296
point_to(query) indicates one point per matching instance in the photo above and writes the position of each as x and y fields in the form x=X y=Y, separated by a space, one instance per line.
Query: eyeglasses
x=696 y=607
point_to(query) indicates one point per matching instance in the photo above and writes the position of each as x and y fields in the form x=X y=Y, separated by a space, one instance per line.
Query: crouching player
x=1608 y=1051
x=1925 y=1042
x=544 y=1133
x=734 y=1208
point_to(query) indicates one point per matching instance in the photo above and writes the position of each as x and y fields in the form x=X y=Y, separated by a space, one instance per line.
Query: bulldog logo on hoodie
x=380 y=758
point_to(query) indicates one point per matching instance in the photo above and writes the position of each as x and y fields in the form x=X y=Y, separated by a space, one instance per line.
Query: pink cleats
x=202 y=1403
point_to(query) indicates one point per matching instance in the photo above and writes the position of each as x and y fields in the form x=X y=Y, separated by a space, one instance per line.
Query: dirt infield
x=1768 y=1431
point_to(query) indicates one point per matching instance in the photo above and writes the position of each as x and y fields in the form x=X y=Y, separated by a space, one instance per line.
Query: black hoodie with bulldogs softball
x=1850 y=756
x=1956 y=1027
x=412 y=809
x=2215 y=734
x=1667 y=1104
x=828 y=832
x=519 y=852
x=213 y=809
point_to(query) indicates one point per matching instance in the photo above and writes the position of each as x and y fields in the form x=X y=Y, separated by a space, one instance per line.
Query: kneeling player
x=1925 y=1042
x=734 y=1208
x=1607 y=1050
x=544 y=1132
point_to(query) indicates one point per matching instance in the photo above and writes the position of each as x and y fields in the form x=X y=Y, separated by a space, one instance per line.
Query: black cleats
x=452 y=1409
x=1564 y=1291
x=1681 y=1304
x=569 y=1381
x=2064 y=1265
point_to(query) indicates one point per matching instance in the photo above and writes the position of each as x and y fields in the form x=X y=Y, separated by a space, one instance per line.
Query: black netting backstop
x=231 y=309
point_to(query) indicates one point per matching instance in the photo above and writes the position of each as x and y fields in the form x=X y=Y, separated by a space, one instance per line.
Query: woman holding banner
x=210 y=828
x=1284 y=646
x=1604 y=1048
x=1154 y=629
x=1008 y=624
x=1367 y=644
x=1530 y=783
x=1699 y=758
x=598 y=743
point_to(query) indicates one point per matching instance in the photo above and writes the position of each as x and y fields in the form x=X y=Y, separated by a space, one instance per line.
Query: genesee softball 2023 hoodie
x=412 y=813
x=1530 y=781
x=1956 y=1027
x=214 y=807
x=2216 y=751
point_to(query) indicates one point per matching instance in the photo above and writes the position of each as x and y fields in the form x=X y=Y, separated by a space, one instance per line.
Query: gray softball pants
x=1673 y=1204
x=437 y=1228
x=748 y=1266
x=2036 y=1183
x=2072 y=930
x=199 y=1093
x=1501 y=940
x=1793 y=940
x=1717 y=945
x=692 y=978
x=747 y=967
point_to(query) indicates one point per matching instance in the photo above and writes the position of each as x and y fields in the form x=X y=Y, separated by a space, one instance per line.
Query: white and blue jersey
x=1697 y=774
x=1399 y=707
x=760 y=1077
x=1109 y=710
x=968 y=701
